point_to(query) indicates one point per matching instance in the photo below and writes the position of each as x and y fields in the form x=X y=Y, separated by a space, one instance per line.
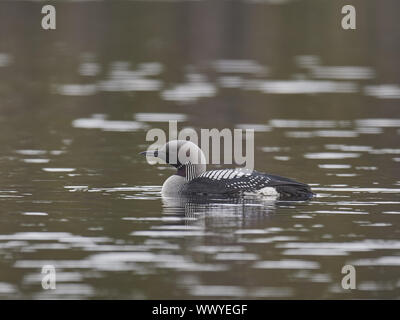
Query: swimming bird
x=192 y=179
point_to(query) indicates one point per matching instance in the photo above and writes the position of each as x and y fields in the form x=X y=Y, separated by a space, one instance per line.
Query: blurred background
x=75 y=106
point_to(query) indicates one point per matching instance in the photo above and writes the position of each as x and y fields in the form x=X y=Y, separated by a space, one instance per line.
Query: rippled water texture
x=75 y=106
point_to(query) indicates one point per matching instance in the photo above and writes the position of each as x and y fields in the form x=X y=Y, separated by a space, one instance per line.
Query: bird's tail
x=289 y=189
x=294 y=192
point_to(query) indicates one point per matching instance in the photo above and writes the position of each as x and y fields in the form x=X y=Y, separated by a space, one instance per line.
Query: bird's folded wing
x=229 y=182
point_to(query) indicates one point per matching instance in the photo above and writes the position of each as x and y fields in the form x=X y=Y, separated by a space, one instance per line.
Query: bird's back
x=234 y=182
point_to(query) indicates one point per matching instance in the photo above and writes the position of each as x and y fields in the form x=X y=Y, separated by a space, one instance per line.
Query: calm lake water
x=75 y=106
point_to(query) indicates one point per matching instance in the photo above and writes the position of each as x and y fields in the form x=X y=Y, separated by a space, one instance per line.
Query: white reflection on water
x=378 y=122
x=374 y=286
x=5 y=59
x=344 y=174
x=76 y=188
x=334 y=166
x=191 y=266
x=138 y=192
x=148 y=189
x=127 y=261
x=385 y=151
x=212 y=249
x=367 y=168
x=6 y=288
x=381 y=261
x=289 y=123
x=76 y=89
x=230 y=82
x=307 y=61
x=224 y=291
x=59 y=169
x=35 y=213
x=382 y=224
x=36 y=160
x=239 y=66
x=351 y=148
x=301 y=86
x=342 y=72
x=384 y=91
x=120 y=79
x=58 y=236
x=268 y=239
x=274 y=149
x=313 y=63
x=287 y=264
x=236 y=291
x=312 y=277
x=196 y=87
x=331 y=155
x=299 y=134
x=355 y=246
x=99 y=122
x=165 y=219
x=236 y=256
x=160 y=117
x=323 y=133
x=282 y=158
x=314 y=252
x=336 y=133
x=255 y=127
x=29 y=152
x=369 y=130
x=123 y=79
x=169 y=234
x=89 y=69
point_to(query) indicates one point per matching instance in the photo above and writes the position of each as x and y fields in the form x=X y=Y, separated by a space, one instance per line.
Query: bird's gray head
x=185 y=156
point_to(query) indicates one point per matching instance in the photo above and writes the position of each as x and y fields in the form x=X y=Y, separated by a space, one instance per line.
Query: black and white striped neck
x=189 y=171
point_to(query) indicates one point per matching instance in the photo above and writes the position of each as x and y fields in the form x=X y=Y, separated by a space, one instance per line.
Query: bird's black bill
x=150 y=153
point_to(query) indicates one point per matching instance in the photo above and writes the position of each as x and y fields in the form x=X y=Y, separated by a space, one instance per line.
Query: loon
x=192 y=179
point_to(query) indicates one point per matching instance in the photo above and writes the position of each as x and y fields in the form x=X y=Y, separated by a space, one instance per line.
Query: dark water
x=75 y=106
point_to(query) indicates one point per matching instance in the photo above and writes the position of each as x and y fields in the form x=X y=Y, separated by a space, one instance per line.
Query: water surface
x=75 y=106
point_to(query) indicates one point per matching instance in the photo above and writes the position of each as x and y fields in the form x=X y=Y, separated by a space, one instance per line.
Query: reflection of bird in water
x=240 y=210
x=192 y=179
